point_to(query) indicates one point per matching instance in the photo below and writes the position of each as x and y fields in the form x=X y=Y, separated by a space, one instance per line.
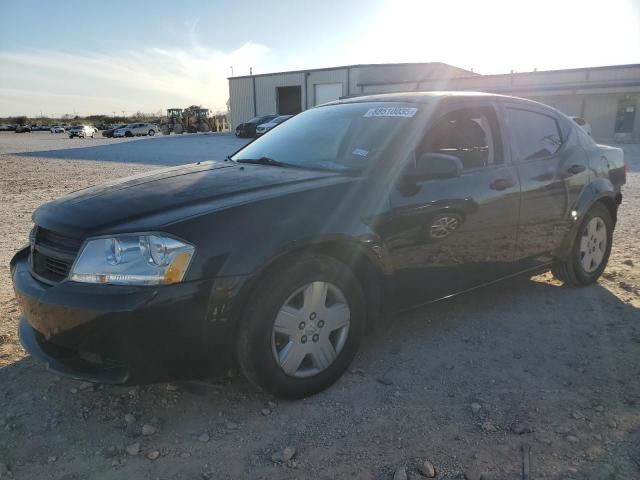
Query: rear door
x=453 y=234
x=553 y=170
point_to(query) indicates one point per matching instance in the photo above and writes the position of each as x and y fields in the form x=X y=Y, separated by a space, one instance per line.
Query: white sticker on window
x=360 y=152
x=408 y=112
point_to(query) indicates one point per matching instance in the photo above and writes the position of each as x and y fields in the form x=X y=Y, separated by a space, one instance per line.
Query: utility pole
x=232 y=70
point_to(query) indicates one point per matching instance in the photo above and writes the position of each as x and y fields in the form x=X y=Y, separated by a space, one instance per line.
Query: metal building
x=606 y=97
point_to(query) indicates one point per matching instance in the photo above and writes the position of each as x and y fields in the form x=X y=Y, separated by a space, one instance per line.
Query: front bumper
x=123 y=334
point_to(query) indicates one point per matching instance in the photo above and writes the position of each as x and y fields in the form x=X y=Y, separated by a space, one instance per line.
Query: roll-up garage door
x=327 y=92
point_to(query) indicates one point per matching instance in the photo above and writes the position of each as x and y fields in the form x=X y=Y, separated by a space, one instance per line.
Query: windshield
x=336 y=137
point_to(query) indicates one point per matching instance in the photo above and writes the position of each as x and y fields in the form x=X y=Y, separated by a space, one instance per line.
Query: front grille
x=53 y=254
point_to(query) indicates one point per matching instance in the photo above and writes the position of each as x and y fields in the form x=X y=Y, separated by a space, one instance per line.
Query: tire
x=128 y=134
x=263 y=350
x=152 y=133
x=588 y=256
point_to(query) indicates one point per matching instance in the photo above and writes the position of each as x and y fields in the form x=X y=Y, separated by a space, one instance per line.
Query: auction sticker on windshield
x=408 y=112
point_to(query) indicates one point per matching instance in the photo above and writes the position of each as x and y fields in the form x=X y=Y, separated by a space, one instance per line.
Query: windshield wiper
x=266 y=161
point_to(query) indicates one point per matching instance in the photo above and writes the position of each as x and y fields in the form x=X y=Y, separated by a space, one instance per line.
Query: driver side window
x=470 y=134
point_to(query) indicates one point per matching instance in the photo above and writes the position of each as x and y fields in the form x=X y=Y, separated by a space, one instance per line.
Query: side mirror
x=433 y=166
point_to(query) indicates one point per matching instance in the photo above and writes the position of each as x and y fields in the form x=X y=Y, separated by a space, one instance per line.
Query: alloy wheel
x=311 y=329
x=444 y=226
x=593 y=244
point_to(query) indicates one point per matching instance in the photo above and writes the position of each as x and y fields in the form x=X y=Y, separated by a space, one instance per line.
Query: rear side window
x=536 y=135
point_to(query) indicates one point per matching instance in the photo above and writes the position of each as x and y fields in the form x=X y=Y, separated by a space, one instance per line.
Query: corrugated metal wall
x=241 y=91
x=266 y=99
x=241 y=100
x=576 y=92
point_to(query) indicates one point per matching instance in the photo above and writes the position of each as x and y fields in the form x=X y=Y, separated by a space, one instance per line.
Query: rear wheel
x=301 y=333
x=128 y=134
x=590 y=250
x=152 y=133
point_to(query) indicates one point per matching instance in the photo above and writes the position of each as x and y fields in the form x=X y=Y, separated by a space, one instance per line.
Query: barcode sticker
x=407 y=112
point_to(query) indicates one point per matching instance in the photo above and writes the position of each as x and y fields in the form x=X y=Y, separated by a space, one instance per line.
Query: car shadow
x=544 y=362
x=159 y=150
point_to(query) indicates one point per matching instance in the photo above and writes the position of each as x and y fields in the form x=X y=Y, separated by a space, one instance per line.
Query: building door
x=327 y=92
x=626 y=116
x=289 y=100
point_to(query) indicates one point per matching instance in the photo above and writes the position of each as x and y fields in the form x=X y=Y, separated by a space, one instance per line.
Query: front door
x=452 y=234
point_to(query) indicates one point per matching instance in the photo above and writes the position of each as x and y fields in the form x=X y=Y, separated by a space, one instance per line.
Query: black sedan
x=108 y=133
x=281 y=257
x=248 y=128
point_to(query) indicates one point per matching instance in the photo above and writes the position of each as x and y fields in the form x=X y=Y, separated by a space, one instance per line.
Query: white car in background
x=265 y=127
x=136 y=129
x=57 y=129
x=583 y=123
x=81 y=131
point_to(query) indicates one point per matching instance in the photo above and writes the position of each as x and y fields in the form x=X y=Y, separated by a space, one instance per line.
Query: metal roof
x=358 y=65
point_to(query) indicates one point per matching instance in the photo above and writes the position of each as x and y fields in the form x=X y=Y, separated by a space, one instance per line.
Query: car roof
x=427 y=97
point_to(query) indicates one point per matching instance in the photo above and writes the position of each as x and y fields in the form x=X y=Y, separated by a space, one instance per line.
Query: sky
x=101 y=57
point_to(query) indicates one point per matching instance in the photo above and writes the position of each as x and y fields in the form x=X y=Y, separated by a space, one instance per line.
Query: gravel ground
x=467 y=384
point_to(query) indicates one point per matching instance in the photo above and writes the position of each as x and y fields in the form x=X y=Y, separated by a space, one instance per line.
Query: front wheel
x=152 y=133
x=590 y=250
x=301 y=332
x=128 y=134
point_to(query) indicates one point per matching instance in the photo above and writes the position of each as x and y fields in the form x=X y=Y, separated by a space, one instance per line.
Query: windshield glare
x=336 y=137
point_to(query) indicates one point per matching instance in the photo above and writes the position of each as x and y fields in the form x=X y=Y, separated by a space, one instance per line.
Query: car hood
x=162 y=197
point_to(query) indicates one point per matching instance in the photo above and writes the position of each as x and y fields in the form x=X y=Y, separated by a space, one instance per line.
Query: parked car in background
x=265 y=127
x=23 y=129
x=136 y=130
x=57 y=129
x=248 y=129
x=109 y=131
x=4 y=128
x=384 y=203
x=583 y=123
x=81 y=131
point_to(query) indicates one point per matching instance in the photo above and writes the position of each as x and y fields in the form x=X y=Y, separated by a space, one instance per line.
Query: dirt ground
x=467 y=384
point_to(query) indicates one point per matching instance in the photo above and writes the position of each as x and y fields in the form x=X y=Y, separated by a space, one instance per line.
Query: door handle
x=502 y=184
x=575 y=169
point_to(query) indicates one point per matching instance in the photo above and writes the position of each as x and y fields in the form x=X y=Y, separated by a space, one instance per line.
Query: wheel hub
x=593 y=244
x=311 y=329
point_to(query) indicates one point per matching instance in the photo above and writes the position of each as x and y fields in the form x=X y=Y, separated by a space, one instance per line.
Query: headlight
x=133 y=260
